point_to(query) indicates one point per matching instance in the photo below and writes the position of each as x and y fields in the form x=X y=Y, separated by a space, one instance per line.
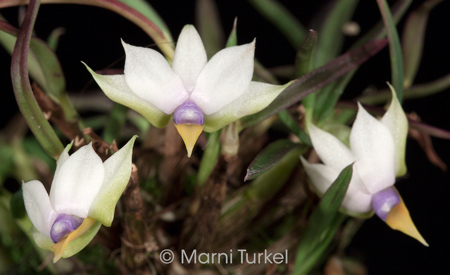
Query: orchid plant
x=280 y=167
x=83 y=196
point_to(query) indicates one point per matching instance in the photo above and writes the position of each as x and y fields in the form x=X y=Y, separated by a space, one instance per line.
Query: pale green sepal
x=258 y=96
x=397 y=123
x=116 y=88
x=117 y=175
x=73 y=247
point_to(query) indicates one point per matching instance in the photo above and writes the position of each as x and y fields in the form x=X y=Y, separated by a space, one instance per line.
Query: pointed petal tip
x=189 y=134
x=399 y=219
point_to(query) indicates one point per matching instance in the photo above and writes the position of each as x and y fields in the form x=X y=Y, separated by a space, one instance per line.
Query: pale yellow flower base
x=60 y=246
x=399 y=219
x=189 y=133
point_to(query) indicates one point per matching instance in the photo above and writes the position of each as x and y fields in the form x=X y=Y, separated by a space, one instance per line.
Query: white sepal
x=258 y=96
x=116 y=88
x=373 y=148
x=330 y=149
x=397 y=123
x=150 y=77
x=189 y=58
x=226 y=77
x=37 y=204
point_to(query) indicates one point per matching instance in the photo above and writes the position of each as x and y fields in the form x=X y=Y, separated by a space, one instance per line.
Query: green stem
x=22 y=87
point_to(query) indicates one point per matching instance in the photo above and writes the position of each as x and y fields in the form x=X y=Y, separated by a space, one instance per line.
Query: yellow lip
x=189 y=133
x=399 y=219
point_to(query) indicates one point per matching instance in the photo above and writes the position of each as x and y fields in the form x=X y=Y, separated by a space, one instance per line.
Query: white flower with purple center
x=200 y=95
x=83 y=196
x=378 y=150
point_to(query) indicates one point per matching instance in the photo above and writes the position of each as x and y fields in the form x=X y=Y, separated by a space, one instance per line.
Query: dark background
x=93 y=36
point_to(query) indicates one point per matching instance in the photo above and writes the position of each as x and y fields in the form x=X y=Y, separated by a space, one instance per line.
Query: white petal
x=37 y=204
x=397 y=123
x=321 y=176
x=190 y=57
x=117 y=175
x=150 y=77
x=63 y=157
x=373 y=148
x=257 y=97
x=226 y=76
x=116 y=88
x=356 y=200
x=77 y=183
x=331 y=150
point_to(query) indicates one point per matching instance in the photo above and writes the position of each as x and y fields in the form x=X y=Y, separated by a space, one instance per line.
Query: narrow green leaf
x=331 y=94
x=232 y=38
x=8 y=41
x=263 y=74
x=44 y=68
x=148 y=11
x=331 y=36
x=22 y=87
x=416 y=91
x=270 y=156
x=290 y=122
x=54 y=36
x=209 y=159
x=278 y=15
x=413 y=39
x=316 y=79
x=324 y=219
x=209 y=26
x=304 y=63
x=303 y=59
x=117 y=119
x=378 y=31
x=269 y=183
x=395 y=49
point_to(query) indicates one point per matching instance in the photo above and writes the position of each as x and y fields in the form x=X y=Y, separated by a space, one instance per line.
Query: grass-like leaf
x=270 y=156
x=278 y=15
x=304 y=63
x=395 y=49
x=324 y=220
x=416 y=91
x=209 y=26
x=22 y=87
x=146 y=9
x=413 y=39
x=331 y=36
x=317 y=79
x=290 y=122
x=332 y=93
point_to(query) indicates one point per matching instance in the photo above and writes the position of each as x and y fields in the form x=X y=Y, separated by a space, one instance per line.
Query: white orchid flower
x=378 y=150
x=200 y=95
x=82 y=197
